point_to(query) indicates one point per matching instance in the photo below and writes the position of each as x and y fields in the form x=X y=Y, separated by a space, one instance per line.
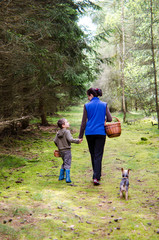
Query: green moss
x=43 y=207
x=8 y=161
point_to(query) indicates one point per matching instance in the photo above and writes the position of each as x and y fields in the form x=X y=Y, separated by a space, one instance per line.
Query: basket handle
x=116 y=119
x=112 y=117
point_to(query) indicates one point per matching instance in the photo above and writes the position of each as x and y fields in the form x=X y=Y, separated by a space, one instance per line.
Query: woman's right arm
x=83 y=124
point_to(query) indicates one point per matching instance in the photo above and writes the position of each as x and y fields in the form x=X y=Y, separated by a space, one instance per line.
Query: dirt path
x=35 y=205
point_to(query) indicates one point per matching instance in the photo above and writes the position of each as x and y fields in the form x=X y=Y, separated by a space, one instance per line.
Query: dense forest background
x=47 y=61
x=43 y=57
x=131 y=27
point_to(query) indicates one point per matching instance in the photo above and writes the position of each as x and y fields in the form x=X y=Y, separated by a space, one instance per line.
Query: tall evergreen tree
x=42 y=55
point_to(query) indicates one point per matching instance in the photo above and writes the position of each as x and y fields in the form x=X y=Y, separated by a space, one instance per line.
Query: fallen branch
x=10 y=127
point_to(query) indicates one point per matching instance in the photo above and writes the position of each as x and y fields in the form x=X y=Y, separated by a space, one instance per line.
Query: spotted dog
x=124 y=184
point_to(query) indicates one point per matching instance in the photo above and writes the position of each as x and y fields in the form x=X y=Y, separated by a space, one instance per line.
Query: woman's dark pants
x=96 y=147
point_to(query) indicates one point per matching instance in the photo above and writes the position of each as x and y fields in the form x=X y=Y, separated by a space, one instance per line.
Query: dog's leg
x=121 y=194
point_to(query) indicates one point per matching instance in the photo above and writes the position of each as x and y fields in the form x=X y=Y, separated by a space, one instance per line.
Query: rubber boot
x=61 y=177
x=68 y=180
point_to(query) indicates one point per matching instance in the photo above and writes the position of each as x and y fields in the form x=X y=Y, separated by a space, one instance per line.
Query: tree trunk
x=123 y=62
x=154 y=64
x=42 y=114
x=136 y=107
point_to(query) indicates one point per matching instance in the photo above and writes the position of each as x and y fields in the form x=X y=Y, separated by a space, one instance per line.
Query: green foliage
x=138 y=69
x=44 y=54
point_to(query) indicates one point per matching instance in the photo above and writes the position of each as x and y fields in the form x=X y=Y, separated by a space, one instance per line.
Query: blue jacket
x=96 y=113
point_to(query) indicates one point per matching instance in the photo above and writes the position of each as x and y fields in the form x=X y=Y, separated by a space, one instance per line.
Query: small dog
x=124 y=185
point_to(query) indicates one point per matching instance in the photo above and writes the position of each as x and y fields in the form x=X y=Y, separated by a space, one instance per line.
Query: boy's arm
x=70 y=138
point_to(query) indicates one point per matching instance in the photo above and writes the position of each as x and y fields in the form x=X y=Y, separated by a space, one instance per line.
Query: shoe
x=68 y=180
x=61 y=177
x=96 y=182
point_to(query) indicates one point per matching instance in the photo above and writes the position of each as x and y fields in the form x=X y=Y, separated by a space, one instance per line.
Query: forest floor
x=34 y=205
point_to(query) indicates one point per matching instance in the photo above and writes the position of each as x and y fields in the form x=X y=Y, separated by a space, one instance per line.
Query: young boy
x=63 y=141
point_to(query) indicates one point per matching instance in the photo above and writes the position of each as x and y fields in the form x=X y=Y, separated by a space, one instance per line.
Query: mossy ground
x=35 y=205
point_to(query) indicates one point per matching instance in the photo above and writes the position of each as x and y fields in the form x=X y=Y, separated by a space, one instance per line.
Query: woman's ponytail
x=99 y=92
x=95 y=92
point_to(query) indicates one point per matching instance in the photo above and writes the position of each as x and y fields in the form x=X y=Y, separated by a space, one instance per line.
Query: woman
x=94 y=115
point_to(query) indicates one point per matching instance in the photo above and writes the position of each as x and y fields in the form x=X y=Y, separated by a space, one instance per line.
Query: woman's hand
x=80 y=140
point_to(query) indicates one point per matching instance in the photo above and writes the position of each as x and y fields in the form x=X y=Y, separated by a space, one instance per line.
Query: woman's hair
x=95 y=92
x=61 y=122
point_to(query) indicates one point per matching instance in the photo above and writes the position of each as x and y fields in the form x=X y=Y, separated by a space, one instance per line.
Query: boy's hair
x=61 y=122
x=95 y=92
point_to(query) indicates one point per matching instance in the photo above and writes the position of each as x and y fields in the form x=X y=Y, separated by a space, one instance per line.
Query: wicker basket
x=56 y=153
x=113 y=129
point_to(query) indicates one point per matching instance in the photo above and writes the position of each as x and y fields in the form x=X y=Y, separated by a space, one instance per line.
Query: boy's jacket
x=64 y=139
